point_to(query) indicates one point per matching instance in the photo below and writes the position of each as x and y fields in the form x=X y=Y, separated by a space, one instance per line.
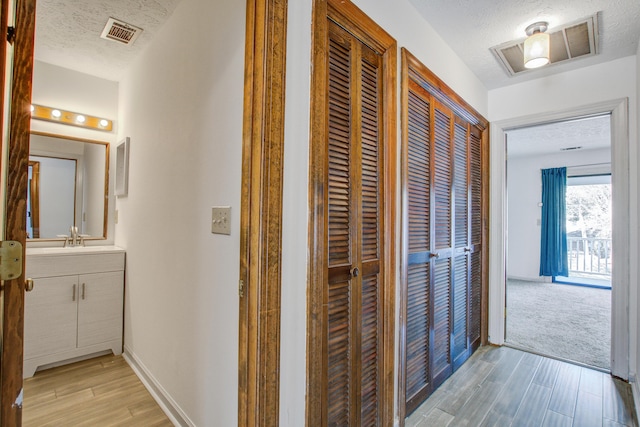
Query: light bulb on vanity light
x=56 y=113
x=80 y=118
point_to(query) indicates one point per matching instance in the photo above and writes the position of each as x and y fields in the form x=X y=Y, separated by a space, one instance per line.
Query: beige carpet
x=571 y=322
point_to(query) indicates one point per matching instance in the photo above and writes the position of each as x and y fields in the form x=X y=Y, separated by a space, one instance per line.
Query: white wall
x=637 y=117
x=181 y=105
x=564 y=92
x=69 y=90
x=524 y=193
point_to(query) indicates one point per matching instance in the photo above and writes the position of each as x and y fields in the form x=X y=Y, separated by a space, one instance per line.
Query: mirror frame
x=106 y=145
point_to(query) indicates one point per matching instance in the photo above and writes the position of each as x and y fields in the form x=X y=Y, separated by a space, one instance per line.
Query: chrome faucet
x=73 y=239
x=73 y=234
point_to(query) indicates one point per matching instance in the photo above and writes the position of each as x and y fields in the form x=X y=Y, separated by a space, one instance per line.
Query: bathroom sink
x=73 y=250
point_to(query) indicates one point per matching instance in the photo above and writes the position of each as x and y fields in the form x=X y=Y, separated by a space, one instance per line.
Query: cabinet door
x=100 y=308
x=50 y=316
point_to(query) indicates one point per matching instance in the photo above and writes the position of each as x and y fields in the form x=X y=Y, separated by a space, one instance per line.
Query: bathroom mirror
x=68 y=185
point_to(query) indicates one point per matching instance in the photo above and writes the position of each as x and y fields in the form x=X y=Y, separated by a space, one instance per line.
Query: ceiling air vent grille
x=120 y=31
x=575 y=40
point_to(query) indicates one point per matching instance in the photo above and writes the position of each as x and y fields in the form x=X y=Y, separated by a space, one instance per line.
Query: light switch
x=221 y=220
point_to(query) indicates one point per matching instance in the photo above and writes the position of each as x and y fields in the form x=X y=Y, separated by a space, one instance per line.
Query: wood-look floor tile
x=514 y=390
x=592 y=381
x=436 y=418
x=463 y=387
x=554 y=419
x=496 y=419
x=532 y=410
x=100 y=392
x=502 y=371
x=565 y=390
x=588 y=410
x=610 y=423
x=506 y=387
x=478 y=405
x=547 y=373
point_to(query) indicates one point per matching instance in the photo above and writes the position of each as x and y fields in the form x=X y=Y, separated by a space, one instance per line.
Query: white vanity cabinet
x=76 y=305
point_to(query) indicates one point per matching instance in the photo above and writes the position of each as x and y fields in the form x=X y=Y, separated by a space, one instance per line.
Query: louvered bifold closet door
x=442 y=248
x=475 y=268
x=354 y=222
x=461 y=188
x=418 y=375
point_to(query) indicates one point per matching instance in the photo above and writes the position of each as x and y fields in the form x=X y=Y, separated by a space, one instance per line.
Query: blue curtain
x=553 y=248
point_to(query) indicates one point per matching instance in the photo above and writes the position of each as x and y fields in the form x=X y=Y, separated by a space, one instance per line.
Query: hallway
x=507 y=387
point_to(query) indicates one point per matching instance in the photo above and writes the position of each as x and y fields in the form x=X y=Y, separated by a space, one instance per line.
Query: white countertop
x=73 y=250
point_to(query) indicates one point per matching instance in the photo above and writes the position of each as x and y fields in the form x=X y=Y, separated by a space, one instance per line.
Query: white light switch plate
x=221 y=220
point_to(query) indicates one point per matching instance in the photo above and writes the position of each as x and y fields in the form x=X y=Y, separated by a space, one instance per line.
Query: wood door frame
x=440 y=90
x=261 y=213
x=16 y=202
x=359 y=24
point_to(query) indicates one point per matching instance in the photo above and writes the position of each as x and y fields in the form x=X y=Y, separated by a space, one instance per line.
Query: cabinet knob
x=28 y=285
x=355 y=272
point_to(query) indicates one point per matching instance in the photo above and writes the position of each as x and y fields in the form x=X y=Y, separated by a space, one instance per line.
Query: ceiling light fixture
x=536 y=46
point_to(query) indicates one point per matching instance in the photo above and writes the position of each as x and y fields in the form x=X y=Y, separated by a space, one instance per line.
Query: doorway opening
x=559 y=240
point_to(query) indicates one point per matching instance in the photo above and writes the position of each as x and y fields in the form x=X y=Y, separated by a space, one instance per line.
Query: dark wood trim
x=15 y=220
x=34 y=191
x=261 y=213
x=358 y=23
x=411 y=65
x=442 y=89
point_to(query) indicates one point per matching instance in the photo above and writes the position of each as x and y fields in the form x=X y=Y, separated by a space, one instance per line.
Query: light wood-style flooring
x=98 y=392
x=507 y=387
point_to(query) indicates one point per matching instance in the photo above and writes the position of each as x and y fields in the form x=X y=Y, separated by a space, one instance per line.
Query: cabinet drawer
x=63 y=265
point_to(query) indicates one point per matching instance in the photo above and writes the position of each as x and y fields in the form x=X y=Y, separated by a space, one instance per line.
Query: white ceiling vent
x=575 y=40
x=120 y=31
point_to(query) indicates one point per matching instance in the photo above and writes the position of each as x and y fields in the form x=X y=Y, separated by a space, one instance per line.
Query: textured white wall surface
x=181 y=106
x=637 y=161
x=524 y=192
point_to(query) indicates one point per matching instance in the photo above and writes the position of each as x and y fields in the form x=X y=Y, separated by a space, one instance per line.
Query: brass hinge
x=11 y=34
x=10 y=260
x=241 y=289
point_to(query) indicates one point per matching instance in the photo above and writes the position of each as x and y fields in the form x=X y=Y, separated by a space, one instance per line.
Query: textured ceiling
x=68 y=32
x=472 y=27
x=589 y=133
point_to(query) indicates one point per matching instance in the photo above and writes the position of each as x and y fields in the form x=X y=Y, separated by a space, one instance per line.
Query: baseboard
x=173 y=411
x=543 y=279
x=635 y=388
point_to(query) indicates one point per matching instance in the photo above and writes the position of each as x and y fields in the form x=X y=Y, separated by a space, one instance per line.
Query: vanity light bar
x=70 y=118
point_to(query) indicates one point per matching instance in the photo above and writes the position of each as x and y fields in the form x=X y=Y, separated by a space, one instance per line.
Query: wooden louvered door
x=353 y=207
x=443 y=276
x=442 y=248
x=475 y=249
